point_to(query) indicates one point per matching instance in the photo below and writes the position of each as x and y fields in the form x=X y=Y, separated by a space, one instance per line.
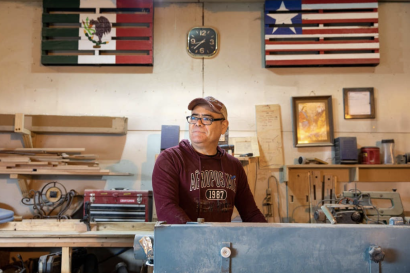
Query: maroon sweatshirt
x=188 y=185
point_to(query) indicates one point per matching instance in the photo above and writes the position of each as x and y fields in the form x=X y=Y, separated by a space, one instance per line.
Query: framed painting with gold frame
x=312 y=121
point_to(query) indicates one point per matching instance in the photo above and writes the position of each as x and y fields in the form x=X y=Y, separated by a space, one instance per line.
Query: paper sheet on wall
x=269 y=131
x=244 y=145
x=359 y=103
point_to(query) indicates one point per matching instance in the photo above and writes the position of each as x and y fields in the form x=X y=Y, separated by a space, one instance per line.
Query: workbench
x=71 y=233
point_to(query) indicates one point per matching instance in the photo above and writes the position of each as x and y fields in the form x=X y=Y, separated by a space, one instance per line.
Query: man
x=199 y=179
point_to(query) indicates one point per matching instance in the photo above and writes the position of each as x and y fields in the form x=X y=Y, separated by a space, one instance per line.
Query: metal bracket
x=226 y=257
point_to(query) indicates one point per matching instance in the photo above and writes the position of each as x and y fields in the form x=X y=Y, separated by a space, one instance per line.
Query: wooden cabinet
x=308 y=184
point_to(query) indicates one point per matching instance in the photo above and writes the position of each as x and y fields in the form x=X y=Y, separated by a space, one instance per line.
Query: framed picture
x=359 y=102
x=312 y=121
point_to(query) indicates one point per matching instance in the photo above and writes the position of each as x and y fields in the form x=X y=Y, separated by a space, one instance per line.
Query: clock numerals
x=212 y=42
x=202 y=50
x=192 y=41
x=202 y=32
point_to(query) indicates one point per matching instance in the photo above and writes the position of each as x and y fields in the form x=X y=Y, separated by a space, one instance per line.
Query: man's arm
x=244 y=201
x=165 y=184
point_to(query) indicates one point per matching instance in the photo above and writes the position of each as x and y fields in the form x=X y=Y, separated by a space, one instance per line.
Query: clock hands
x=199 y=43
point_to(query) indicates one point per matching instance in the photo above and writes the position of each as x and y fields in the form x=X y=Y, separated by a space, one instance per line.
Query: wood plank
x=61 y=18
x=23 y=184
x=4 y=258
x=44 y=241
x=384 y=175
x=61 y=172
x=134 y=59
x=19 y=127
x=81 y=157
x=57 y=167
x=60 y=32
x=59 y=60
x=251 y=173
x=315 y=193
x=69 y=4
x=61 y=4
x=269 y=132
x=298 y=197
x=329 y=188
x=44 y=150
x=91 y=164
x=79 y=124
x=59 y=45
x=66 y=259
x=311 y=195
x=16 y=160
x=69 y=124
x=116 y=32
x=74 y=226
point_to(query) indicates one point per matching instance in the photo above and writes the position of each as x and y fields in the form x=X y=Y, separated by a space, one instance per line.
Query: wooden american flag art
x=321 y=33
x=97 y=32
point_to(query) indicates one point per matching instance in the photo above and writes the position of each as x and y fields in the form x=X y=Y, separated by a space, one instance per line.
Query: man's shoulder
x=232 y=159
x=172 y=152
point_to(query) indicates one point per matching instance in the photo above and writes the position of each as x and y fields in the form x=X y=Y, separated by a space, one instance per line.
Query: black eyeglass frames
x=204 y=120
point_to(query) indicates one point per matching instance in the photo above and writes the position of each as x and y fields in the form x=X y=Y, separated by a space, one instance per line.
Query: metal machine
x=262 y=247
x=355 y=207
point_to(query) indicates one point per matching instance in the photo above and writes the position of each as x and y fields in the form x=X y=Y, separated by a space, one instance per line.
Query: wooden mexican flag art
x=97 y=32
x=321 y=33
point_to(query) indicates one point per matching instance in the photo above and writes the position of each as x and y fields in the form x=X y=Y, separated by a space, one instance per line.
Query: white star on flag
x=283 y=18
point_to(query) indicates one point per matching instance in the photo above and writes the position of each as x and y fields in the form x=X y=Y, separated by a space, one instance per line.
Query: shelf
x=357 y=173
x=23 y=176
x=61 y=172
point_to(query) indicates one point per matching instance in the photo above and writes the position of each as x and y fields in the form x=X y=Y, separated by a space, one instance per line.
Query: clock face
x=202 y=42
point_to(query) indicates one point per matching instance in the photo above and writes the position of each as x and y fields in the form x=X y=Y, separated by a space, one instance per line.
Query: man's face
x=206 y=136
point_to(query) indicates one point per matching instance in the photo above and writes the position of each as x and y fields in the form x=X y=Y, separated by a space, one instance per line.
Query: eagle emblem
x=99 y=28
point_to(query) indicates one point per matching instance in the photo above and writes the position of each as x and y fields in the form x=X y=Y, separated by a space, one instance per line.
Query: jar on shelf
x=388 y=151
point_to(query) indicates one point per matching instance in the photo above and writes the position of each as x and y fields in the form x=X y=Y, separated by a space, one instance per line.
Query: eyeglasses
x=204 y=120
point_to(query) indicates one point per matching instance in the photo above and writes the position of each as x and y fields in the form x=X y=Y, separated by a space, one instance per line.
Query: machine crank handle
x=328 y=214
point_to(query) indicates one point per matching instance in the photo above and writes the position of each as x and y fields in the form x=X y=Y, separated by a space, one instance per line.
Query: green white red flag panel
x=97 y=32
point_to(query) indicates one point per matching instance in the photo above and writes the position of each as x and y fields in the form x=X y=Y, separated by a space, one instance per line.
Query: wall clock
x=202 y=42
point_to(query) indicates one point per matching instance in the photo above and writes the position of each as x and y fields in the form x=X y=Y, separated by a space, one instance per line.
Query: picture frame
x=359 y=103
x=312 y=118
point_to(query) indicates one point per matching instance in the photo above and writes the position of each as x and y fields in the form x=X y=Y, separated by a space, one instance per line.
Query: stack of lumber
x=49 y=161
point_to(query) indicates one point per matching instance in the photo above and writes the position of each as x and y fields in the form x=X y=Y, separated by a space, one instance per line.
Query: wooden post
x=4 y=258
x=19 y=128
x=66 y=259
x=22 y=180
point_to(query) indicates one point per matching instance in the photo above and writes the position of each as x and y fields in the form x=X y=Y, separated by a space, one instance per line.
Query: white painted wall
x=151 y=97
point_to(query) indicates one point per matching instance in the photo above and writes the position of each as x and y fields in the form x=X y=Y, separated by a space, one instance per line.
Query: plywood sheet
x=269 y=130
x=298 y=197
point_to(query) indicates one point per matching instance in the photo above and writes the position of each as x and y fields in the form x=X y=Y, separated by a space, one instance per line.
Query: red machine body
x=119 y=205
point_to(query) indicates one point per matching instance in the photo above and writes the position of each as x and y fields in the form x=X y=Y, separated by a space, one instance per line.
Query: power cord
x=267 y=201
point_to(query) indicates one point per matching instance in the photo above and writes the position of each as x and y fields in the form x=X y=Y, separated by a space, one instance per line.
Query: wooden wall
x=158 y=95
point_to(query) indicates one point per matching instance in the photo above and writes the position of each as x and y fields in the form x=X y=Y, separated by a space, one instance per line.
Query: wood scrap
x=44 y=150
x=69 y=161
